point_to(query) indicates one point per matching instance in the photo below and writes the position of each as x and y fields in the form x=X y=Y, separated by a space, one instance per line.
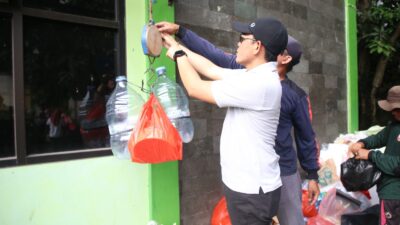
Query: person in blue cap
x=252 y=96
x=295 y=115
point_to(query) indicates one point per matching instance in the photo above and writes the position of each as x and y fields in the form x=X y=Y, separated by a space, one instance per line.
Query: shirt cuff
x=181 y=32
x=312 y=175
x=370 y=155
x=397 y=171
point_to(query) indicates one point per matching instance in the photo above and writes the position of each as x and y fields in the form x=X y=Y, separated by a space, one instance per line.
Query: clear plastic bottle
x=175 y=103
x=123 y=109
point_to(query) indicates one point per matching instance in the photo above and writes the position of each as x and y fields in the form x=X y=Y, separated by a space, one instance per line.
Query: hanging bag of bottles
x=155 y=139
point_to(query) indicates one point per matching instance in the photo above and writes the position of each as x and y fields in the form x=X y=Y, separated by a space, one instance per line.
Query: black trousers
x=252 y=209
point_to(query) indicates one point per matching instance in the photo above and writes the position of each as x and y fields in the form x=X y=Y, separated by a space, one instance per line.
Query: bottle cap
x=120 y=78
x=161 y=70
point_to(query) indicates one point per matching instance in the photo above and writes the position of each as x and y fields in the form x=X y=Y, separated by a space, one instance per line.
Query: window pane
x=104 y=9
x=69 y=74
x=6 y=96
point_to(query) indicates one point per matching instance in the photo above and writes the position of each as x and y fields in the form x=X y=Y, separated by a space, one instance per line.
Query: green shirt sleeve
x=376 y=141
x=386 y=163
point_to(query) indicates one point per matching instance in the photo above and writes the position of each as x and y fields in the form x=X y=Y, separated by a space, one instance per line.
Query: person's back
x=295 y=114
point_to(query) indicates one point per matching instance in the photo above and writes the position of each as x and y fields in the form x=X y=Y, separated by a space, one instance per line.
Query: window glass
x=104 y=9
x=69 y=72
x=6 y=97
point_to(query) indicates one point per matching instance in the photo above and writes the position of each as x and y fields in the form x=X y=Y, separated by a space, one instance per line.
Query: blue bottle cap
x=161 y=70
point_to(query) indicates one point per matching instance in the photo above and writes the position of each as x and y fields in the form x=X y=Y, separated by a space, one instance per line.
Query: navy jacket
x=295 y=112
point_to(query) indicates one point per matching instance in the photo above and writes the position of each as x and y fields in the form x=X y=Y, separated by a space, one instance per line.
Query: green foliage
x=380 y=47
x=377 y=23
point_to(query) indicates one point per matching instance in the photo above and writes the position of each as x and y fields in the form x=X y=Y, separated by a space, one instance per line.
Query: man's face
x=246 y=46
x=396 y=114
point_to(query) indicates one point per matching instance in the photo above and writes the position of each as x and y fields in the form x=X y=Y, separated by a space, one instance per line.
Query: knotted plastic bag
x=308 y=210
x=154 y=139
x=358 y=174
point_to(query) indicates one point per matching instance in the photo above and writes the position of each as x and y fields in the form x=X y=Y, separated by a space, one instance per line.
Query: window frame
x=16 y=10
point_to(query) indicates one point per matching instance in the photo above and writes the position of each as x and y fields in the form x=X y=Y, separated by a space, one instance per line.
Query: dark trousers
x=252 y=209
x=391 y=212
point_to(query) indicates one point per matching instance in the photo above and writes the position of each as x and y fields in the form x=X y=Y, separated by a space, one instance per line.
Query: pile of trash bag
x=343 y=199
x=337 y=204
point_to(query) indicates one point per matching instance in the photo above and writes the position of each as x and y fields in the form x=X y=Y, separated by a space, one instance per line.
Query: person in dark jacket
x=295 y=114
x=388 y=162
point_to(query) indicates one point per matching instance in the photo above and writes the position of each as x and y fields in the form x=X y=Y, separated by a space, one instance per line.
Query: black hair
x=289 y=66
x=269 y=56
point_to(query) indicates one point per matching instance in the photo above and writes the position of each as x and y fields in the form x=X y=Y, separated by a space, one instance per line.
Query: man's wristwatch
x=179 y=53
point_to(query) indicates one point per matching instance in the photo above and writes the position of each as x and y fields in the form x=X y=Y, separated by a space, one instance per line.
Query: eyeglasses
x=241 y=39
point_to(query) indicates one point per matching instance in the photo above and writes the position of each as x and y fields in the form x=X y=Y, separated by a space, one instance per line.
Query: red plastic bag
x=366 y=193
x=154 y=139
x=97 y=111
x=336 y=203
x=308 y=210
x=220 y=214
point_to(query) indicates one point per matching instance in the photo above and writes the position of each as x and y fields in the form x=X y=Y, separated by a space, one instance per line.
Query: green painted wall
x=102 y=190
x=351 y=60
x=99 y=191
x=164 y=177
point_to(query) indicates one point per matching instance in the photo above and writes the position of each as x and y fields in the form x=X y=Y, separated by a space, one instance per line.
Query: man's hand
x=362 y=154
x=170 y=44
x=313 y=191
x=354 y=149
x=167 y=27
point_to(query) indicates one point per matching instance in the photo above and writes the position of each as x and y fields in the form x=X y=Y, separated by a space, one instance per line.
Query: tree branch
x=395 y=35
x=380 y=72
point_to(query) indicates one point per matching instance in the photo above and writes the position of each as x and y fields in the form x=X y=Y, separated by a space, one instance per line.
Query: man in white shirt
x=250 y=170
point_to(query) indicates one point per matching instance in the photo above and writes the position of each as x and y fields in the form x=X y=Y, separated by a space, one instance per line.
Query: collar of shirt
x=272 y=66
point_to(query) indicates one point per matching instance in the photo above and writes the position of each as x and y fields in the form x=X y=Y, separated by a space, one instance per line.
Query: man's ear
x=287 y=59
x=259 y=46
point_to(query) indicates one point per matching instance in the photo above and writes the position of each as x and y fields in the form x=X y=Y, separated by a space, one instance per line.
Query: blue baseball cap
x=294 y=50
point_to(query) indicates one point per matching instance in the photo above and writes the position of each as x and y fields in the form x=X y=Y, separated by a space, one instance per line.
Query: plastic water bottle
x=175 y=104
x=123 y=109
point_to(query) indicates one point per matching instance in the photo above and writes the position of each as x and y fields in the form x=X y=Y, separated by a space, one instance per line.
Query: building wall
x=100 y=190
x=319 y=26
